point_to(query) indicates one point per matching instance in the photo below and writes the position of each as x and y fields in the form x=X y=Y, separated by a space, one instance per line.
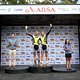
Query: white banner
x=39 y=9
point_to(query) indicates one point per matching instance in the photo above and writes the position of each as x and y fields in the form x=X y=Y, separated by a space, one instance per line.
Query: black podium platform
x=32 y=69
x=18 y=70
x=64 y=70
x=44 y=69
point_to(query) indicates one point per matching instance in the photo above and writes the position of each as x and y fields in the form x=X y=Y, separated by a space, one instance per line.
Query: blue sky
x=78 y=2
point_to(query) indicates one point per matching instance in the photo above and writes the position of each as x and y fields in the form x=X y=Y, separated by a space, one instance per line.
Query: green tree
x=13 y=2
x=47 y=2
x=69 y=1
x=37 y=2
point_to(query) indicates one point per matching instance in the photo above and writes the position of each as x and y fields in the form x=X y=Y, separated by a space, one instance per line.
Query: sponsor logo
x=23 y=34
x=61 y=39
x=12 y=27
x=42 y=27
x=61 y=27
x=2 y=40
x=79 y=9
x=23 y=47
x=28 y=37
x=58 y=62
x=9 y=9
x=22 y=53
x=62 y=52
x=22 y=40
x=52 y=49
x=71 y=27
x=22 y=63
x=77 y=62
x=28 y=40
x=76 y=46
x=22 y=27
x=51 y=46
x=66 y=33
x=64 y=9
x=71 y=39
x=75 y=33
x=22 y=50
x=7 y=34
x=2 y=60
x=17 y=34
x=56 y=46
x=52 y=52
x=76 y=58
x=39 y=9
x=3 y=63
x=3 y=53
x=18 y=28
x=17 y=59
x=7 y=60
x=18 y=9
x=22 y=43
x=57 y=49
x=56 y=34
x=51 y=40
x=3 y=47
x=57 y=43
x=57 y=52
x=32 y=27
x=27 y=59
x=27 y=46
x=22 y=60
x=75 y=9
x=3 y=9
x=28 y=56
x=61 y=46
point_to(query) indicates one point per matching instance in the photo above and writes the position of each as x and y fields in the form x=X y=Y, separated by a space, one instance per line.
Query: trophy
x=26 y=27
x=50 y=25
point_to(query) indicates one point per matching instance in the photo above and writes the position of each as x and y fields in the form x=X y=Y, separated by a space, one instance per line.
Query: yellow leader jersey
x=36 y=40
x=43 y=41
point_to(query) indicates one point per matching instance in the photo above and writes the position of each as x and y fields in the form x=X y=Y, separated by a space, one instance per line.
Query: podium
x=39 y=69
x=17 y=70
x=64 y=70
x=44 y=69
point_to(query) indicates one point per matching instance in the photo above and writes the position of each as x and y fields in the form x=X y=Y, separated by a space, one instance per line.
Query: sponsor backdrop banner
x=39 y=9
x=56 y=40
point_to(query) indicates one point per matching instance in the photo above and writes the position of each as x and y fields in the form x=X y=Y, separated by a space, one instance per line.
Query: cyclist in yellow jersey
x=44 y=44
x=35 y=39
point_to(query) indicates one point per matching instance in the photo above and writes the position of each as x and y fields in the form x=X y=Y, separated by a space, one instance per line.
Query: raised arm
x=28 y=33
x=49 y=30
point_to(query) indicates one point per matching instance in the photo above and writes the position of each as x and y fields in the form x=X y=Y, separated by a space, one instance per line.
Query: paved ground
x=48 y=76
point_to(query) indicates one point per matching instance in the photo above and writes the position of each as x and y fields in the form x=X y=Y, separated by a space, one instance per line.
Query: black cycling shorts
x=36 y=47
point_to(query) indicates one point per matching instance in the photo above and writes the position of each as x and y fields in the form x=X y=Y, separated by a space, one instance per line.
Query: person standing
x=68 y=51
x=35 y=40
x=12 y=45
x=44 y=47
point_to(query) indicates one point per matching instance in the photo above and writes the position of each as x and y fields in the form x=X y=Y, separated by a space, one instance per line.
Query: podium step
x=32 y=69
x=64 y=70
x=18 y=70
